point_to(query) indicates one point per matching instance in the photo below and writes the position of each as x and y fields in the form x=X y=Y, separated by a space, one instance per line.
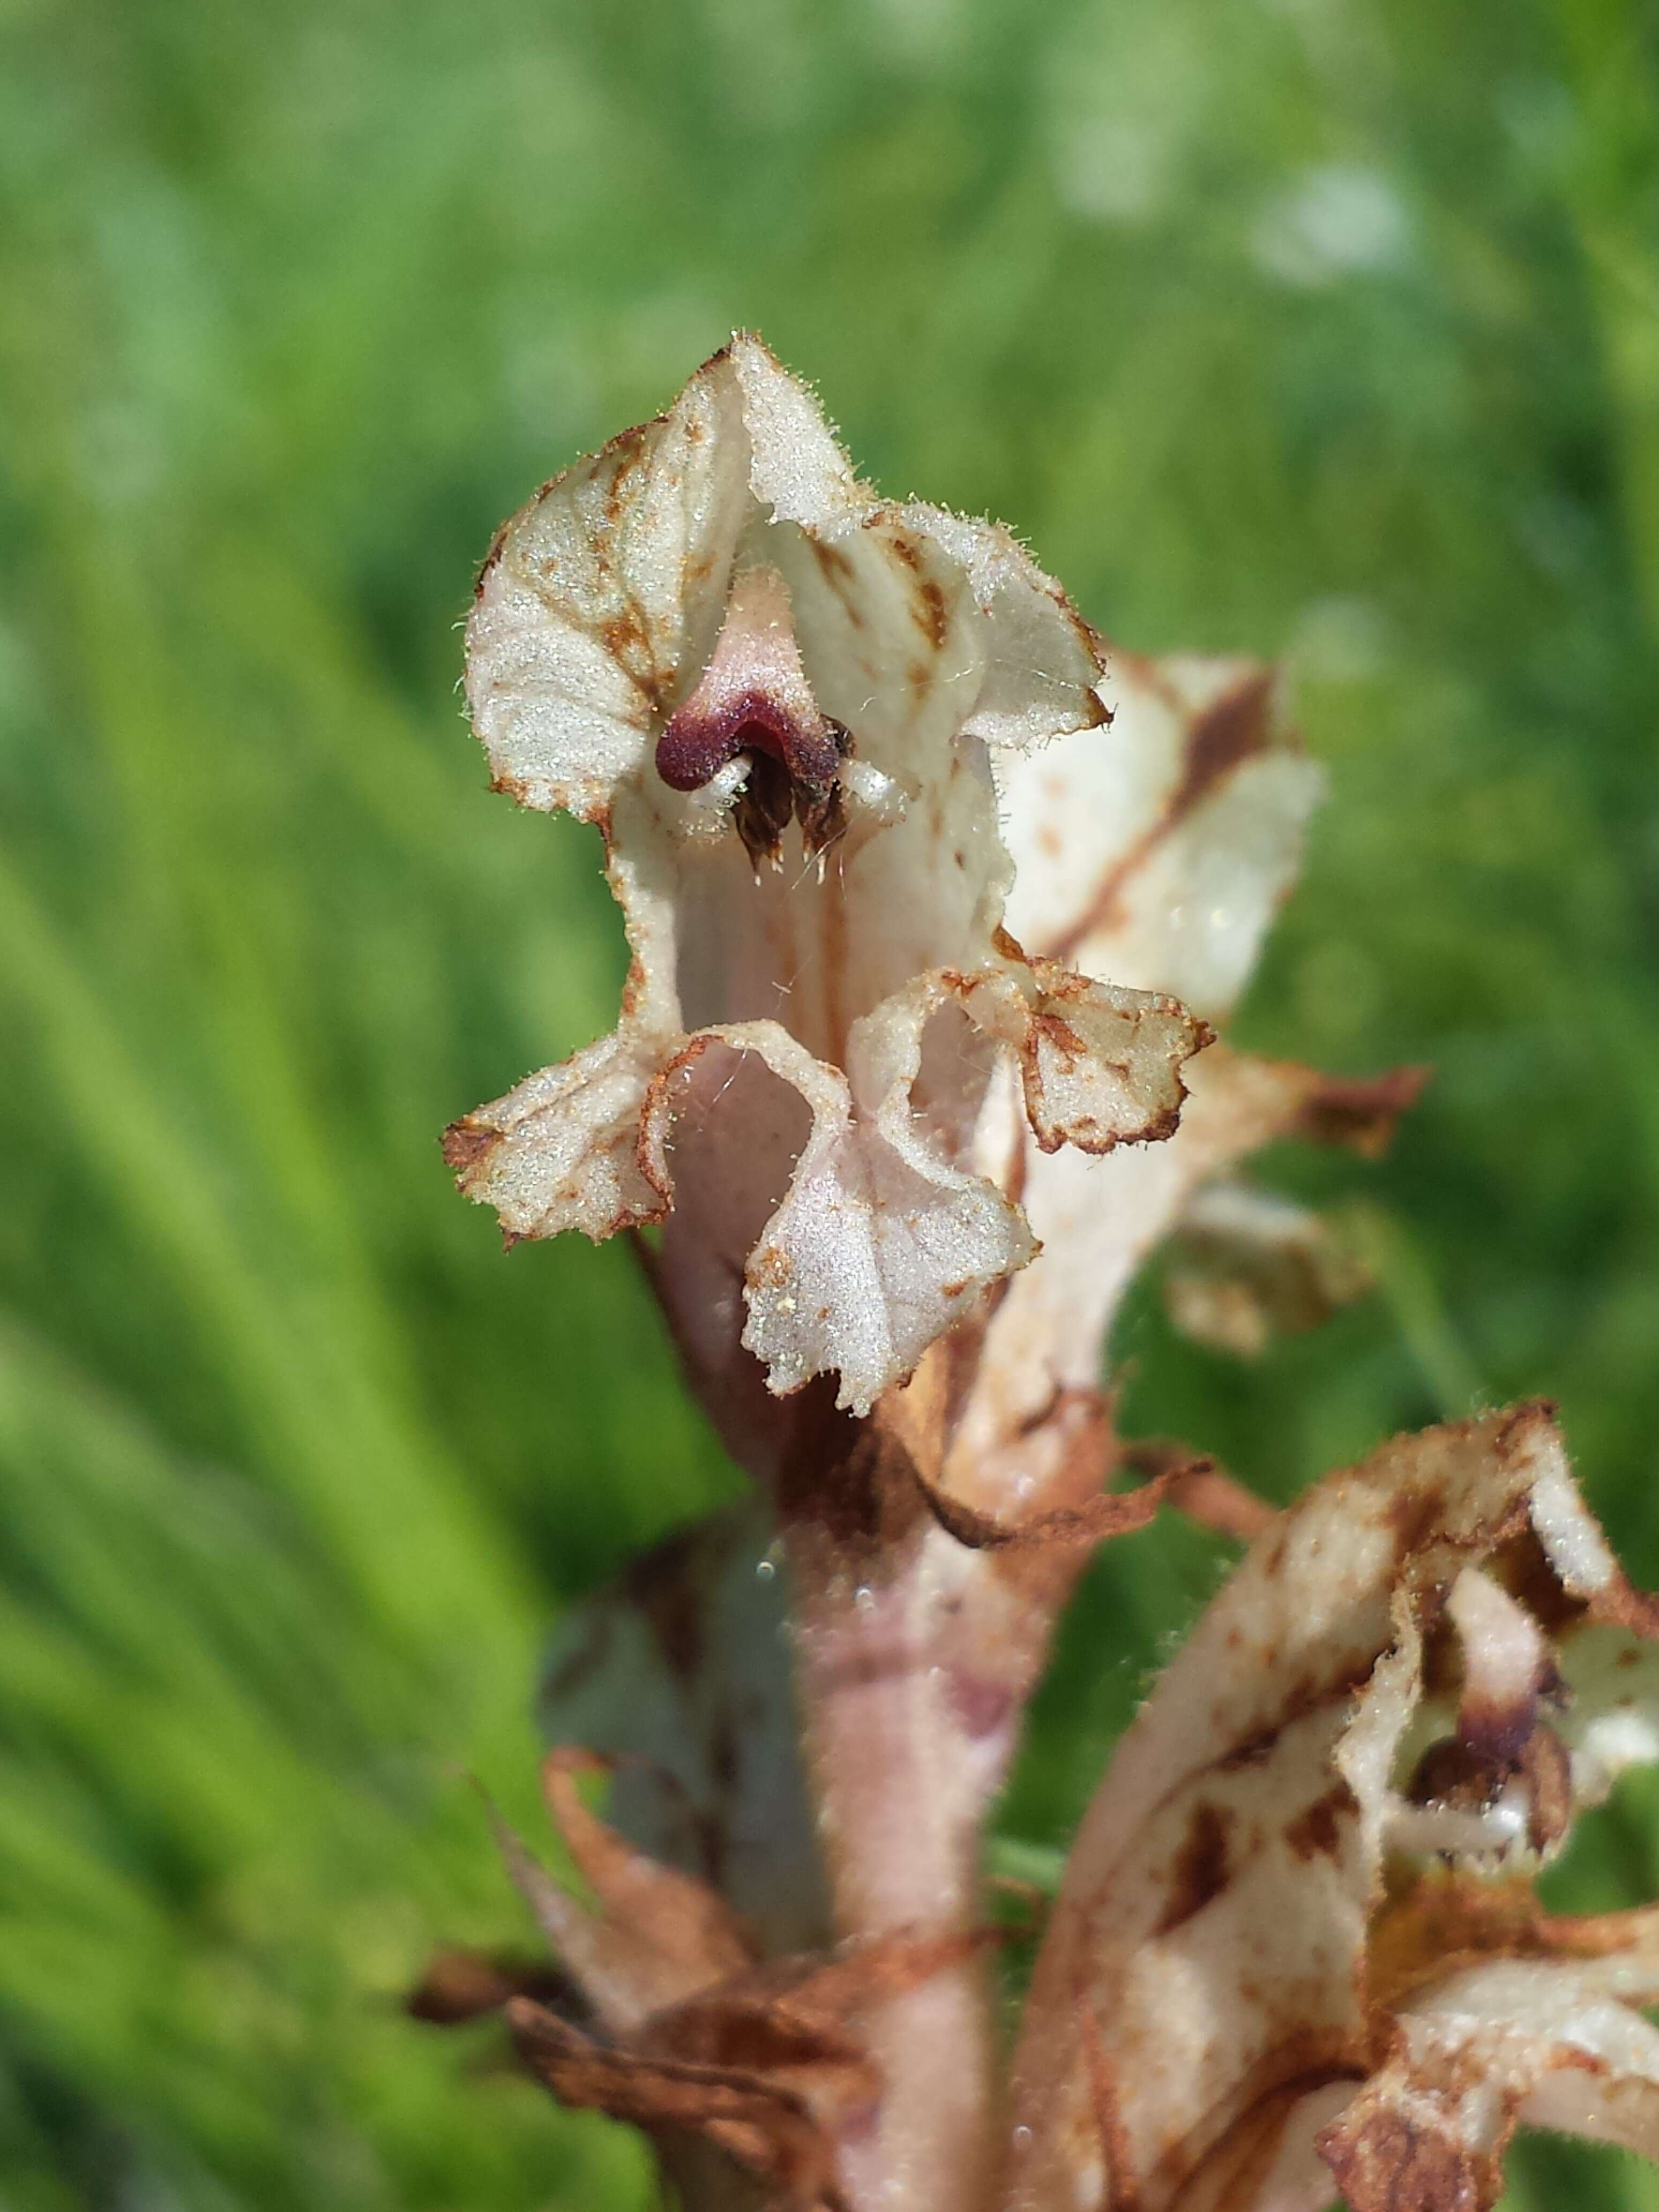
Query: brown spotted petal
x=784 y=700
x=1160 y=861
x=1098 y=1064
x=1516 y=2043
x=564 y=1150
x=1536 y=2034
x=1204 y=1977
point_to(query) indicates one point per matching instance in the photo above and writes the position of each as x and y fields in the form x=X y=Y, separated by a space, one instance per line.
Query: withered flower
x=785 y=702
x=748 y=2076
x=1295 y=1950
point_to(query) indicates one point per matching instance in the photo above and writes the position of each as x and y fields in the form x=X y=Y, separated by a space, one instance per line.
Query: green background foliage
x=1322 y=328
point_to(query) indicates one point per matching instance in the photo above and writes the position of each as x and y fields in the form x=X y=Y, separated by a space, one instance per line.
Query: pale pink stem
x=899 y=1798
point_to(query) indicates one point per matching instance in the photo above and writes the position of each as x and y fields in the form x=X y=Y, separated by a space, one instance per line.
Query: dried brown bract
x=661 y=2014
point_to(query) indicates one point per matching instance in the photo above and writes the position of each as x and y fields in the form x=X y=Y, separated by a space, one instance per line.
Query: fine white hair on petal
x=596 y=595
x=1579 y=1550
x=561 y=1150
x=1520 y=2041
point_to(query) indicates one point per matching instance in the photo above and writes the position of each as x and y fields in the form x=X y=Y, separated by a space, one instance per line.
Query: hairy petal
x=1097 y=1221
x=1042 y=661
x=1516 y=2043
x=1160 y=859
x=561 y=1150
x=597 y=595
x=1207 y=1955
x=1099 y=1066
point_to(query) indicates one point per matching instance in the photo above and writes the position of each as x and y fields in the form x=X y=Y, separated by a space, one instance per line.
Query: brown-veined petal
x=1159 y=860
x=778 y=696
x=1206 y=1959
x=1517 y=2043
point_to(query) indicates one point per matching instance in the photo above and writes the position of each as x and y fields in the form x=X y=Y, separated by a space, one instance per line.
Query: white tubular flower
x=781 y=699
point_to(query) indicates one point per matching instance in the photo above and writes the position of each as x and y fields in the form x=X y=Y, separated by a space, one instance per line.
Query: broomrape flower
x=930 y=910
x=782 y=700
x=1296 y=1949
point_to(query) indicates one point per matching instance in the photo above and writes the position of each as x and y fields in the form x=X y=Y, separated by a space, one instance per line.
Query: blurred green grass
x=1321 y=327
